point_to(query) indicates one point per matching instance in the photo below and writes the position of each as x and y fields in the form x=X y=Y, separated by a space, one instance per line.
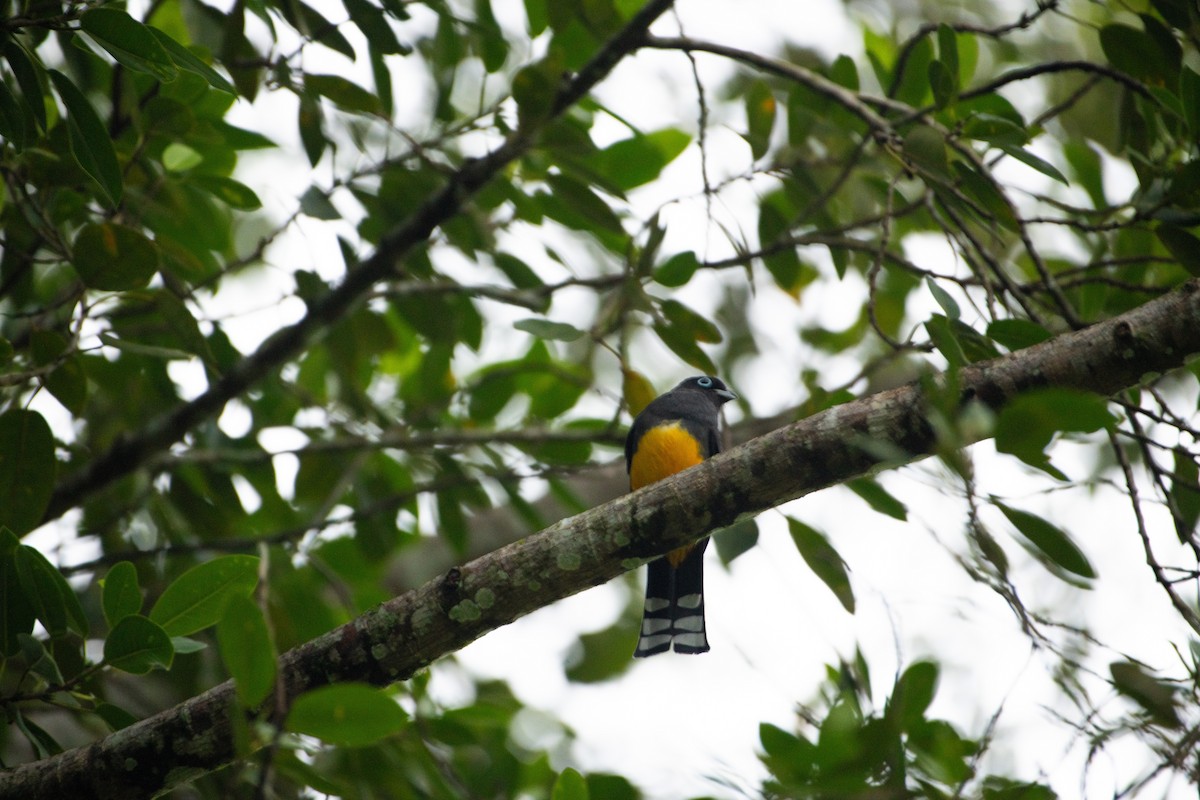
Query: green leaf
x=130 y=42
x=1017 y=334
x=17 y=614
x=1183 y=246
x=113 y=257
x=926 y=148
x=197 y=598
x=878 y=498
x=1038 y=163
x=1155 y=696
x=760 y=117
x=235 y=194
x=178 y=157
x=1189 y=98
x=943 y=299
x=677 y=270
x=246 y=650
x=1136 y=53
x=995 y=129
x=27 y=469
x=912 y=695
x=1184 y=497
x=137 y=645
x=39 y=661
x=115 y=717
x=683 y=344
x=1050 y=540
x=347 y=714
x=736 y=539
x=958 y=342
x=27 y=79
x=53 y=600
x=312 y=134
x=604 y=654
x=823 y=560
x=680 y=316
x=344 y=93
x=90 y=143
x=589 y=209
x=549 y=329
x=943 y=84
x=67 y=382
x=120 y=596
x=948 y=51
x=315 y=203
x=570 y=785
x=44 y=745
x=186 y=60
x=991 y=201
x=15 y=120
x=1027 y=424
x=629 y=163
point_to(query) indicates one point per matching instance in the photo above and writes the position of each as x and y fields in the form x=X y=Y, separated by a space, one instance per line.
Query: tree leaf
x=683 y=344
x=186 y=60
x=26 y=74
x=549 y=329
x=1040 y=164
x=197 y=598
x=878 y=498
x=912 y=695
x=27 y=469
x=1184 y=496
x=114 y=257
x=1155 y=696
x=735 y=540
x=1017 y=334
x=53 y=600
x=1183 y=246
x=90 y=143
x=823 y=560
x=347 y=714
x=1026 y=426
x=130 y=42
x=344 y=93
x=677 y=270
x=121 y=595
x=629 y=163
x=17 y=614
x=760 y=117
x=246 y=650
x=1050 y=540
x=686 y=320
x=570 y=785
x=138 y=645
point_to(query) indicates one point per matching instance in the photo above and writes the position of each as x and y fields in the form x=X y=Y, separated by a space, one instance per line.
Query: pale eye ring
x=704 y=383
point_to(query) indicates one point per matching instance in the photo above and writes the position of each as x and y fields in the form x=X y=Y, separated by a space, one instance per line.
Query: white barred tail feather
x=674 y=610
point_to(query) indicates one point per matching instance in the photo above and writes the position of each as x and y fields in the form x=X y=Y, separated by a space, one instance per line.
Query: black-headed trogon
x=675 y=431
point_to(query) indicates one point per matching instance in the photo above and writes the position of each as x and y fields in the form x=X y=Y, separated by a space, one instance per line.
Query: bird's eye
x=704 y=383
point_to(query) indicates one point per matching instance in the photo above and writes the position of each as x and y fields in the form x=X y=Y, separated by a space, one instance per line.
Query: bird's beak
x=726 y=395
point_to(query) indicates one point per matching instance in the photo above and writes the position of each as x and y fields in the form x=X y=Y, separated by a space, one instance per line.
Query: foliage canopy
x=498 y=243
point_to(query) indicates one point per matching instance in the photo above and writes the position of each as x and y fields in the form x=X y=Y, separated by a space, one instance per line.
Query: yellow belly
x=661 y=452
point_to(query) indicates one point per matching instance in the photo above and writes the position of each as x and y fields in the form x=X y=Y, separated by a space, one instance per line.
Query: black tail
x=674 y=611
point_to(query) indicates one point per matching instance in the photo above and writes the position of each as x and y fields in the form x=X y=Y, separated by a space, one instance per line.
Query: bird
x=675 y=431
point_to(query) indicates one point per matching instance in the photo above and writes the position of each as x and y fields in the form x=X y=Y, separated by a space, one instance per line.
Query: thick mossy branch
x=400 y=637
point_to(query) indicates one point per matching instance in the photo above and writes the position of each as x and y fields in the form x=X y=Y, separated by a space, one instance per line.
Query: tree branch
x=128 y=454
x=391 y=642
